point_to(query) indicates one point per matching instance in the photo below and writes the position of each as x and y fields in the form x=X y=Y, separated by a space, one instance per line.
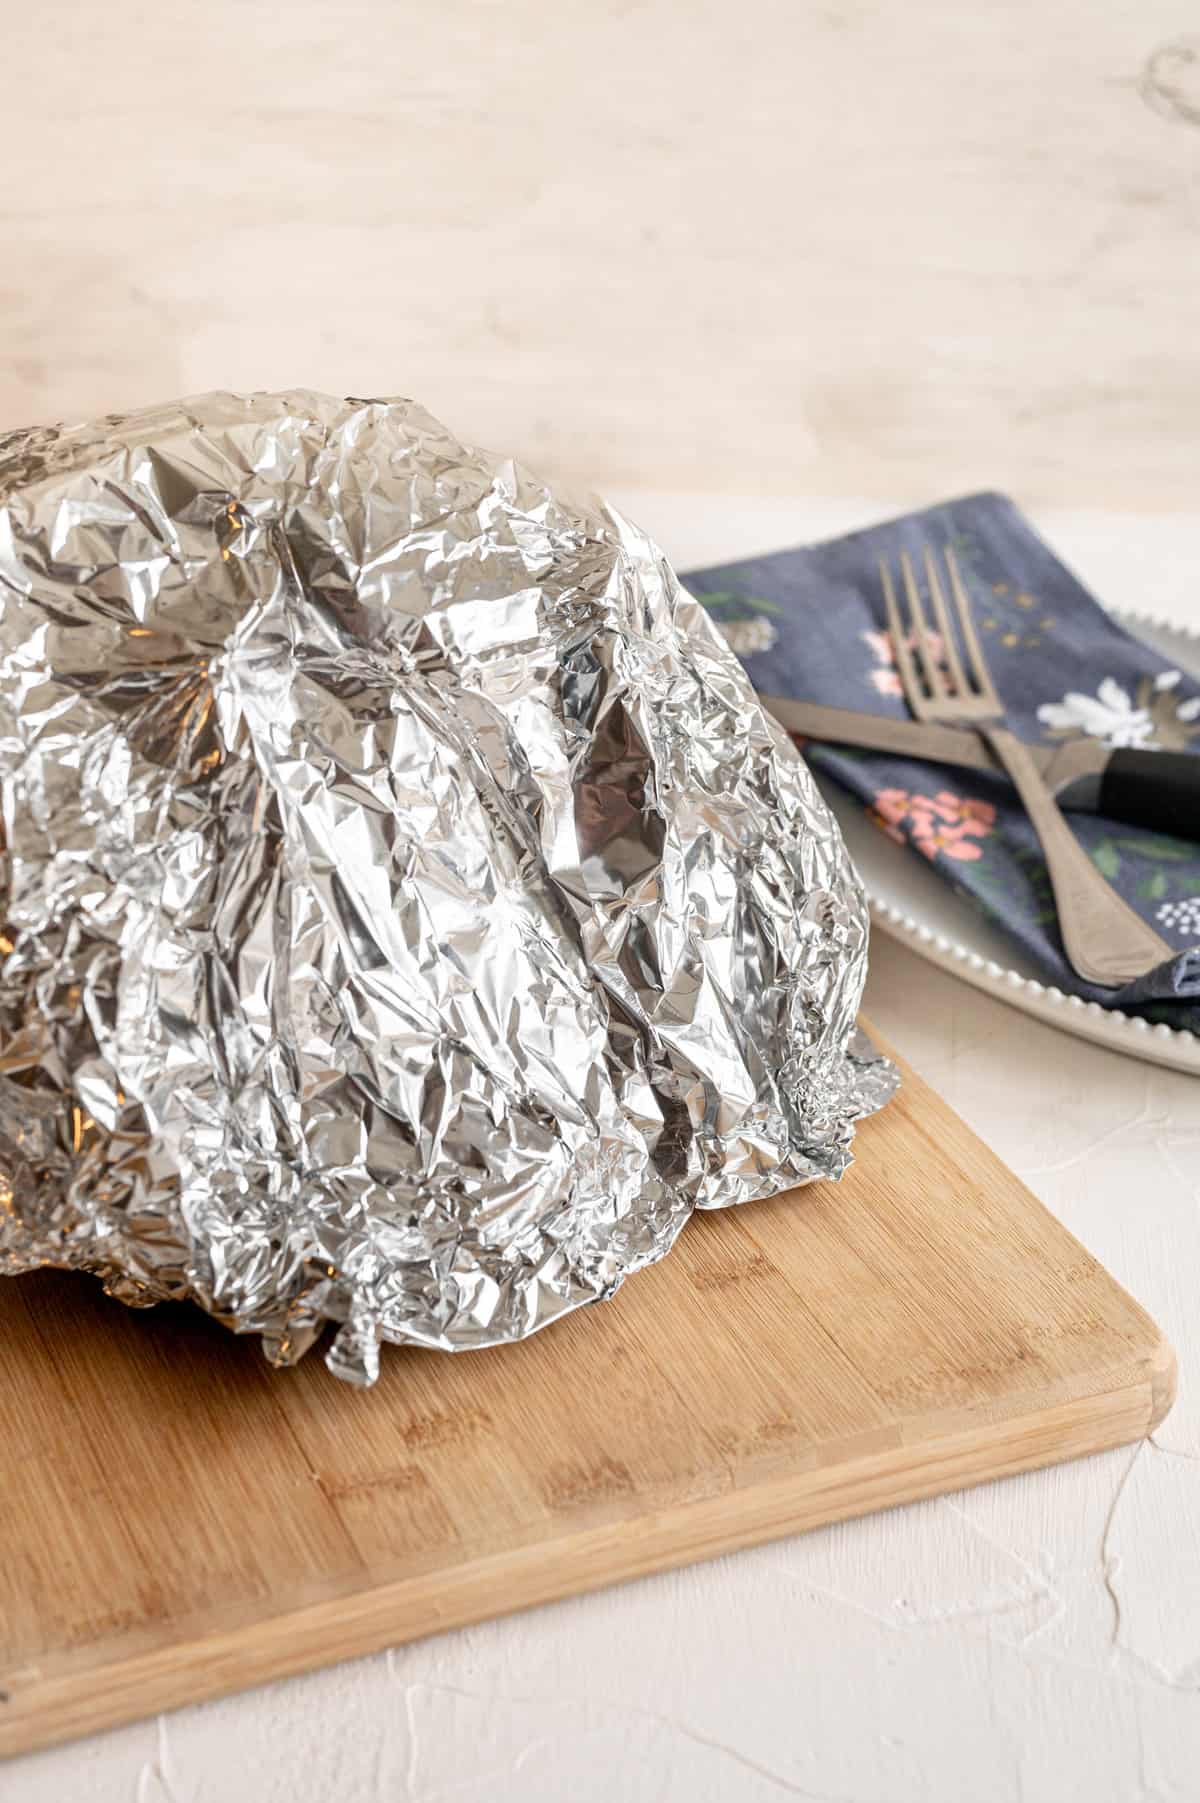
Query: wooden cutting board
x=177 y=1520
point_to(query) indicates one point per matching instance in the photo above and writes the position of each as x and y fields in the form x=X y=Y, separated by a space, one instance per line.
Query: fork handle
x=1105 y=941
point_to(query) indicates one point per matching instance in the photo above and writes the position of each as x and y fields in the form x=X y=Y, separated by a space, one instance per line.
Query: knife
x=1155 y=789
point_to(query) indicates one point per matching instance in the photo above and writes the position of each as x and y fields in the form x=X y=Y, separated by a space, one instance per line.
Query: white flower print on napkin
x=1183 y=916
x=1112 y=715
x=748 y=638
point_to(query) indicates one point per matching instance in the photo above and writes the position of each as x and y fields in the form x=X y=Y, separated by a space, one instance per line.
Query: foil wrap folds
x=410 y=914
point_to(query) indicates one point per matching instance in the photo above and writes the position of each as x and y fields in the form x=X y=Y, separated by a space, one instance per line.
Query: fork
x=1105 y=941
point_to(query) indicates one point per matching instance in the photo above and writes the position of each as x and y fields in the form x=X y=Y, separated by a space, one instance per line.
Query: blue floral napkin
x=809 y=624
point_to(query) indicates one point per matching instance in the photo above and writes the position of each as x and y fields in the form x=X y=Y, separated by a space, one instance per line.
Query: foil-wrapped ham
x=411 y=915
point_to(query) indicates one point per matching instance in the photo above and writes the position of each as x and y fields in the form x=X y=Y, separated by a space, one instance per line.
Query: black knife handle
x=1156 y=789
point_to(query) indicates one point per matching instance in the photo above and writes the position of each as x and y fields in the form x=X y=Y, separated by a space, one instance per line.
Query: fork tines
x=935 y=688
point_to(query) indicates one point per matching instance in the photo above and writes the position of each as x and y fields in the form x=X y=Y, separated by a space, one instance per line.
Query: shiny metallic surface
x=411 y=915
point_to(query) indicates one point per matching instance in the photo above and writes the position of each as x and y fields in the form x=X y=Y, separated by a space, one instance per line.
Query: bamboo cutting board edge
x=1088 y=1372
x=356 y=1622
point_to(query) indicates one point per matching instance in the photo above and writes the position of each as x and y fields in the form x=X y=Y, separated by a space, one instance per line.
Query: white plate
x=910 y=903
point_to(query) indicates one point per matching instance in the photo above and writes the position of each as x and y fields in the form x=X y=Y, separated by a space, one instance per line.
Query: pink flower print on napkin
x=942 y=823
x=885 y=678
x=891 y=807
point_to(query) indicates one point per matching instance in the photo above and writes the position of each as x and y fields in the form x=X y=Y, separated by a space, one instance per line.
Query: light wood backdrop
x=834 y=247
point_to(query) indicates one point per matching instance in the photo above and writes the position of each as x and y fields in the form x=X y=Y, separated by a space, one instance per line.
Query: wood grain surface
x=892 y=251
x=178 y=1521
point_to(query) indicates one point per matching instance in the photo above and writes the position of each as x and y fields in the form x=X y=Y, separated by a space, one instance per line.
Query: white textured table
x=1033 y=1641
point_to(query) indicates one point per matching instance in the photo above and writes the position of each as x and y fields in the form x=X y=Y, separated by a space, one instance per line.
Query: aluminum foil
x=411 y=915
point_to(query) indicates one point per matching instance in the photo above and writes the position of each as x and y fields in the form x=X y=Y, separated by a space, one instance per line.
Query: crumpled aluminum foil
x=411 y=915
